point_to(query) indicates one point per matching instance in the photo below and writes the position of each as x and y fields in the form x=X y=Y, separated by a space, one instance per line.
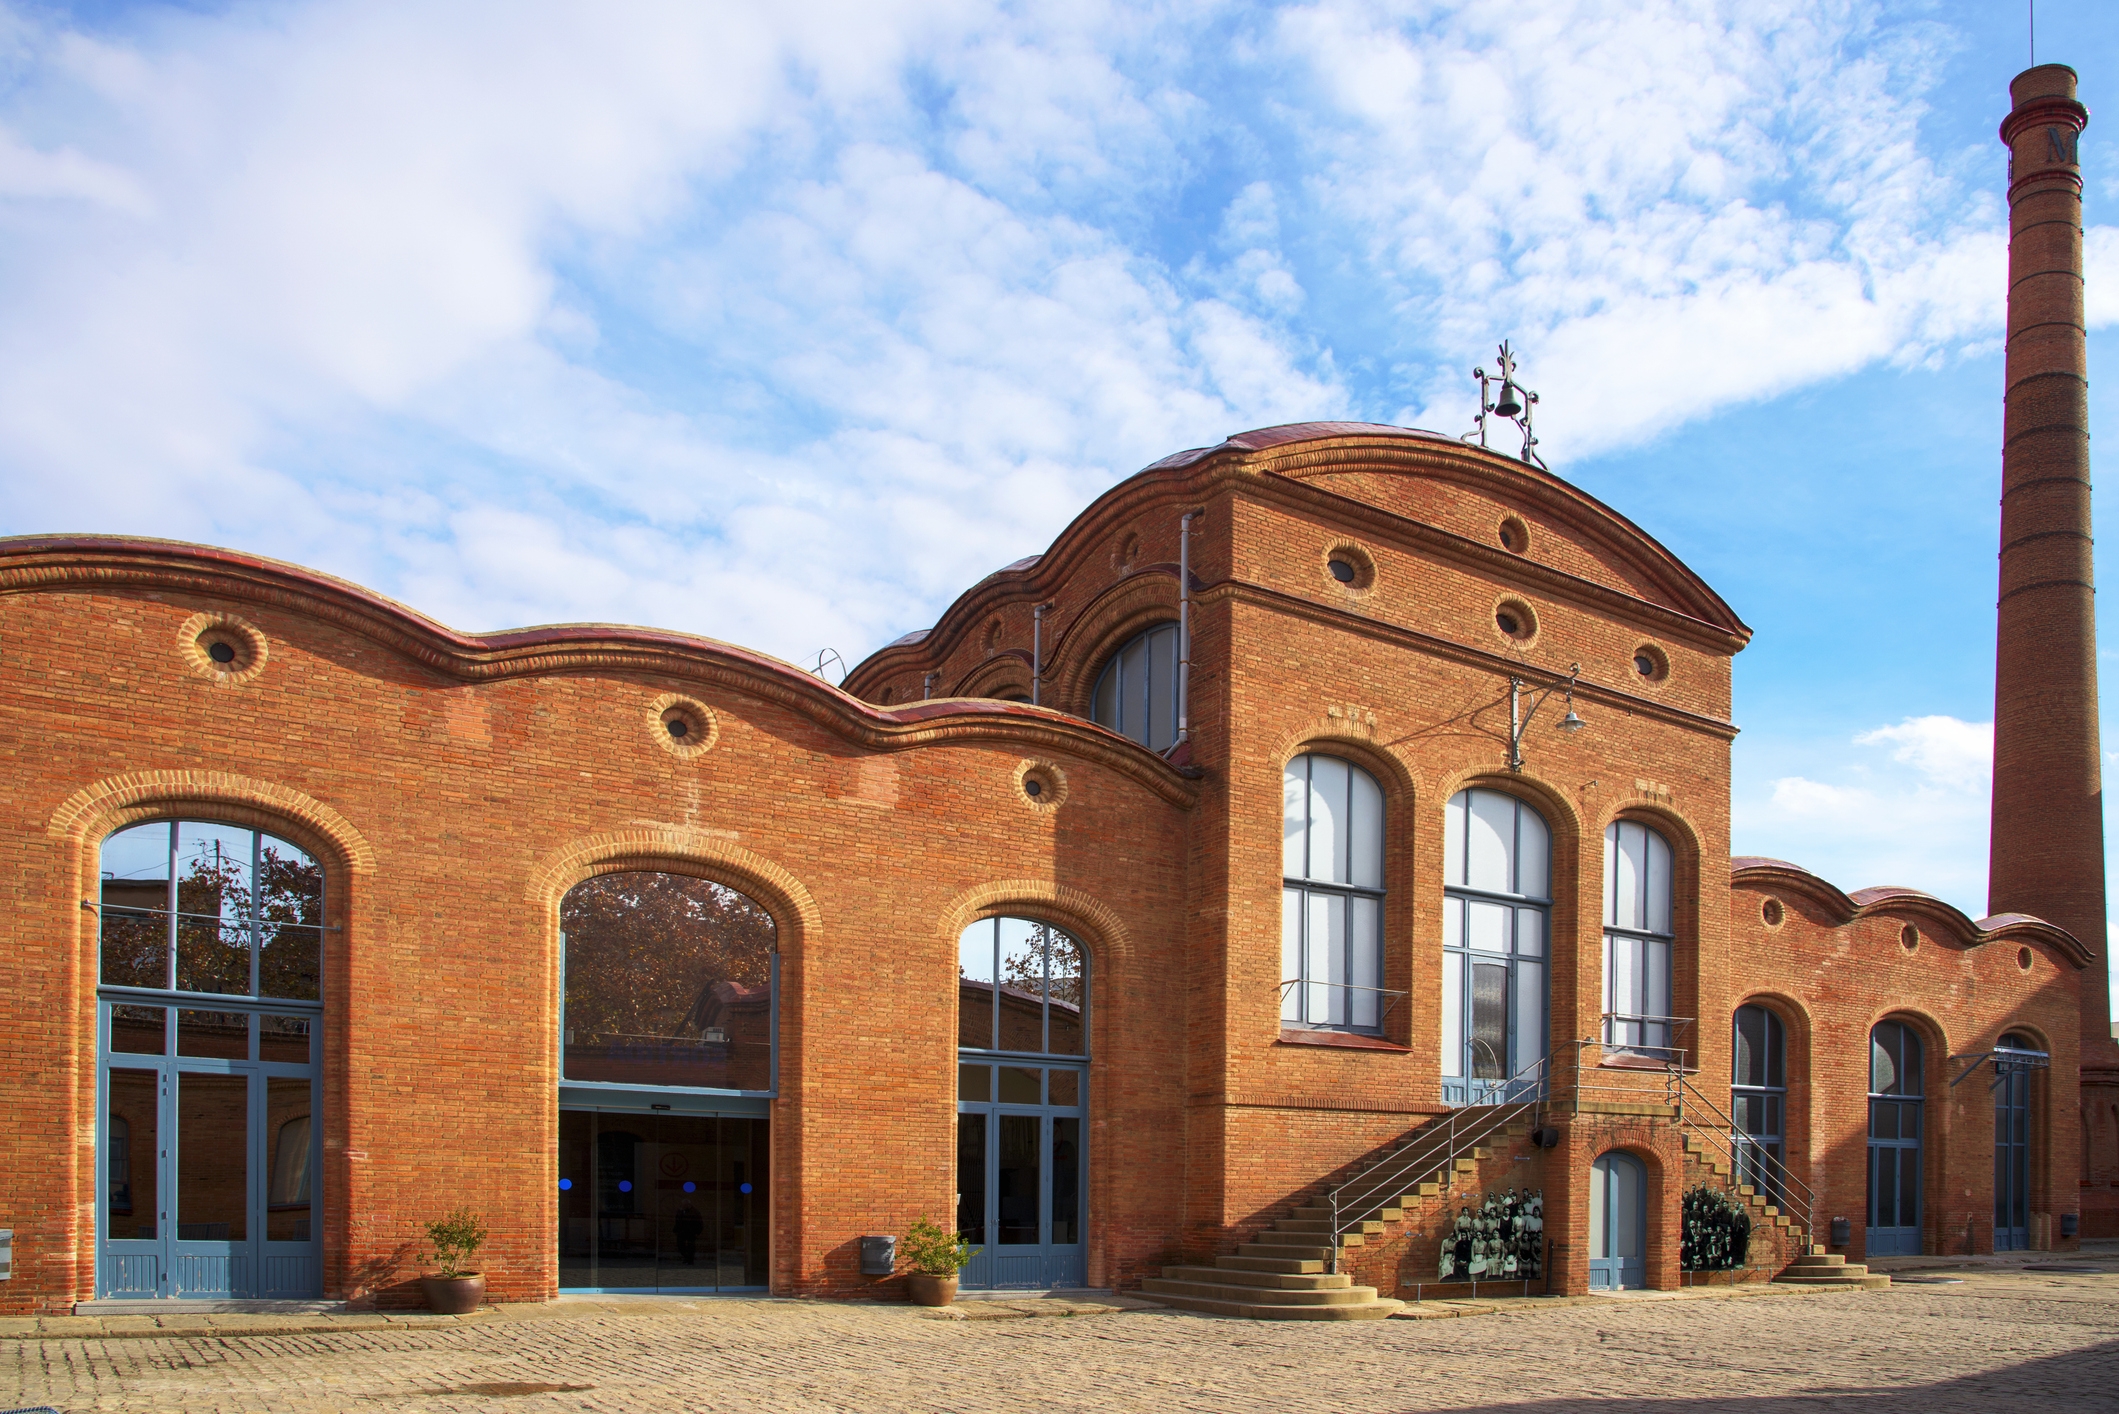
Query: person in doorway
x=688 y=1225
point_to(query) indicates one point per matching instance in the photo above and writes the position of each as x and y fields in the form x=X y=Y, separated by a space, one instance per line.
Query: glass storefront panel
x=661 y=1202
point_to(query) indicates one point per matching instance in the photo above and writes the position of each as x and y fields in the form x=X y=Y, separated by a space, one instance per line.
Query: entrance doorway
x=1618 y=1223
x=208 y=1148
x=1896 y=1116
x=1022 y=1093
x=659 y=1202
x=1019 y=1175
x=2012 y=1141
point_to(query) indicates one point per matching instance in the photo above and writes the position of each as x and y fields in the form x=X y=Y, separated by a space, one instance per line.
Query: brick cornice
x=101 y=564
x=1283 y=472
x=1840 y=909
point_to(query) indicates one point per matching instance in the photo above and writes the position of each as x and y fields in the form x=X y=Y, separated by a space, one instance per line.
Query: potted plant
x=936 y=1256
x=450 y=1289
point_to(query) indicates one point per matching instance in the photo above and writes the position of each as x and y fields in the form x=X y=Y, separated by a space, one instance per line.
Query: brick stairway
x=1281 y=1273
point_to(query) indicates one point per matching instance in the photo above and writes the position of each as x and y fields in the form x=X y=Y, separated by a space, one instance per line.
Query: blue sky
x=784 y=324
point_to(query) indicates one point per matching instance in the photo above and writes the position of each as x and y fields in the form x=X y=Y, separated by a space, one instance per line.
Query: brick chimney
x=2047 y=849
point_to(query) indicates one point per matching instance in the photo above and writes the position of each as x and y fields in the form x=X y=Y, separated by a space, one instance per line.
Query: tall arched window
x=1896 y=1104
x=1022 y=1096
x=669 y=1032
x=1497 y=902
x=1759 y=1099
x=1331 y=900
x=1637 y=939
x=211 y=945
x=2016 y=1057
x=1136 y=694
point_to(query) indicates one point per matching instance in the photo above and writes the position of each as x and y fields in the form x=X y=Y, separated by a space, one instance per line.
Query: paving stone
x=2048 y=1341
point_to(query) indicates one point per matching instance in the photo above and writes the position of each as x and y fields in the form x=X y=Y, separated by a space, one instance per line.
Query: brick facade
x=455 y=787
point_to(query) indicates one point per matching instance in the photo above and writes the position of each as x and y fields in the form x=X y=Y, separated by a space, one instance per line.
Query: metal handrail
x=1394 y=993
x=1795 y=1197
x=1433 y=1148
x=1674 y=1026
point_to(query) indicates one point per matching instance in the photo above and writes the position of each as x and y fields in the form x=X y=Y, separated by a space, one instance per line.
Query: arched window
x=1497 y=901
x=2016 y=1057
x=1896 y=1090
x=1136 y=694
x=1759 y=1099
x=670 y=981
x=1331 y=913
x=1022 y=986
x=1022 y=1083
x=209 y=973
x=1637 y=939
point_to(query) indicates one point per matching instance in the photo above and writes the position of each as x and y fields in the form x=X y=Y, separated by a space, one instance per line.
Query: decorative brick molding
x=702 y=727
x=95 y=811
x=248 y=641
x=1051 y=782
x=1944 y=920
x=675 y=849
x=1093 y=923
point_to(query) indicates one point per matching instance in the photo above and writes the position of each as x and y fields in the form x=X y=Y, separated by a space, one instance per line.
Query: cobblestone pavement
x=2010 y=1339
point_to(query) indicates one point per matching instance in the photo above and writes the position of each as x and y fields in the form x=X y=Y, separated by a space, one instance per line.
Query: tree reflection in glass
x=668 y=982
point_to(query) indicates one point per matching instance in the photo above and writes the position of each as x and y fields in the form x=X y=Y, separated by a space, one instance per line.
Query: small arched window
x=1638 y=937
x=1759 y=1099
x=1331 y=919
x=1497 y=901
x=1136 y=694
x=1022 y=986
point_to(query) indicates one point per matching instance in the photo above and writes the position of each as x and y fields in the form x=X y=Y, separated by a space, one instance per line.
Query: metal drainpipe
x=927 y=686
x=1184 y=627
x=1037 y=652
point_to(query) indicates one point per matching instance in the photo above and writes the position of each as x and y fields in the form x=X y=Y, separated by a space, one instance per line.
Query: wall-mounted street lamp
x=1519 y=718
x=1513 y=403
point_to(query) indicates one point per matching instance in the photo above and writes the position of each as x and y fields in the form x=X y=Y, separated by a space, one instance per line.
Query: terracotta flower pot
x=454 y=1296
x=930 y=1291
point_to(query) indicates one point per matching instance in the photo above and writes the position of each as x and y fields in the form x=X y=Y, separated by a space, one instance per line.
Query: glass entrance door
x=207 y=1148
x=1618 y=1223
x=652 y=1202
x=1896 y=1114
x=1019 y=1175
x=2012 y=1143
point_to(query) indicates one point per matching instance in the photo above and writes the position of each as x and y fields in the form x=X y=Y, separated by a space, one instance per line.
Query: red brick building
x=1311 y=875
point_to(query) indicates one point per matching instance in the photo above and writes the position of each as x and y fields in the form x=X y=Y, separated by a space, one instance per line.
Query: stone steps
x=1280 y=1274
x=1815 y=1268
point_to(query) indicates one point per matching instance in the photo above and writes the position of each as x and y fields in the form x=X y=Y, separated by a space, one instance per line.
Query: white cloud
x=1908 y=806
x=785 y=324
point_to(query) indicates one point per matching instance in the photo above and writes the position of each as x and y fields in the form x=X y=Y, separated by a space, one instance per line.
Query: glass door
x=1019 y=1175
x=661 y=1202
x=207 y=1151
x=2012 y=1143
x=1896 y=1112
